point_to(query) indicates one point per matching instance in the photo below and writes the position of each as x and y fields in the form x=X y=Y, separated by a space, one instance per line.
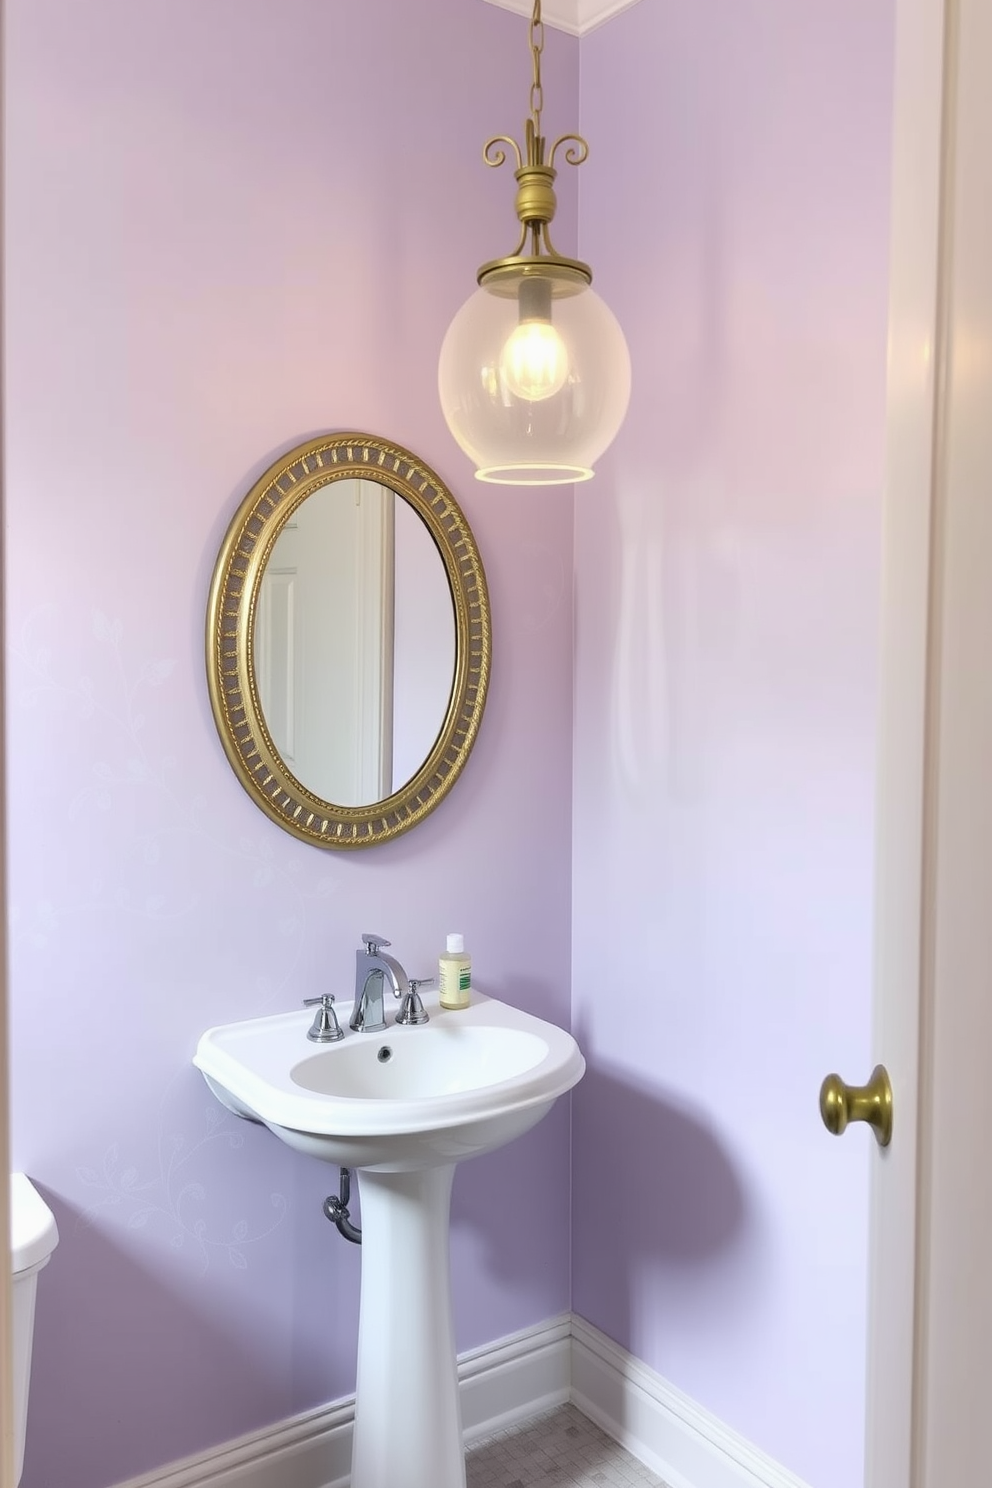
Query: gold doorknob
x=840 y=1104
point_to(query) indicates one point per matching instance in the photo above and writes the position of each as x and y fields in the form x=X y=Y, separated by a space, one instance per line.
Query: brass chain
x=536 y=48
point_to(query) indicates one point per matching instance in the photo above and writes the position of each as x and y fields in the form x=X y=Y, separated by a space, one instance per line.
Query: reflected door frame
x=321 y=612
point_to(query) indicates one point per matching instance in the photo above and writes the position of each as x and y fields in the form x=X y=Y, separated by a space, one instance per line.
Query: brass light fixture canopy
x=534 y=374
x=536 y=207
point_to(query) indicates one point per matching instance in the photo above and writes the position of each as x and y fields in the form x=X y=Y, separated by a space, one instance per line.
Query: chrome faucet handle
x=374 y=943
x=325 y=1028
x=412 y=1011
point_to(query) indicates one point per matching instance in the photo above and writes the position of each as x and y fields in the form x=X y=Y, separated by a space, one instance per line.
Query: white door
x=930 y=1335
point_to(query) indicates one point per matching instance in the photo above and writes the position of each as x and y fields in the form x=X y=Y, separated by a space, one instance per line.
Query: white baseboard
x=668 y=1432
x=502 y=1383
x=516 y=1378
x=312 y=1450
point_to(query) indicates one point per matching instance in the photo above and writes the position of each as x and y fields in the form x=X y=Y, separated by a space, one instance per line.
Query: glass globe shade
x=529 y=418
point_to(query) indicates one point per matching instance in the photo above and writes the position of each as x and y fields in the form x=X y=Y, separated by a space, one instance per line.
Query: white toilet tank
x=33 y=1237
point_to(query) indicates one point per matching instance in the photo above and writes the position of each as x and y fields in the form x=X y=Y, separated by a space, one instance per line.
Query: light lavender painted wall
x=727 y=581
x=226 y=231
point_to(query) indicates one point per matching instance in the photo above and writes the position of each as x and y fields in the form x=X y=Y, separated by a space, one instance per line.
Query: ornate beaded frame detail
x=230 y=630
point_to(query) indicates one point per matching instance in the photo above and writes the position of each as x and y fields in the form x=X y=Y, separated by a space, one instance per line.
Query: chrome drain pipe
x=336 y=1209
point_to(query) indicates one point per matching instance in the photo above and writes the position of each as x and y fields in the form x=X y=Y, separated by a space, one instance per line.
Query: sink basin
x=461 y=1084
x=404 y=1106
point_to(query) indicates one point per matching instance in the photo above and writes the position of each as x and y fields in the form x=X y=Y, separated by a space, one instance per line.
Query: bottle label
x=456 y=983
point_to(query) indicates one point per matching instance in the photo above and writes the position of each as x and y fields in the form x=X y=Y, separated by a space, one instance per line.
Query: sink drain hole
x=385 y=1054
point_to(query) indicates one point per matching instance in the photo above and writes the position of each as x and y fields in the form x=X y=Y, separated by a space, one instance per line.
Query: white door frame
x=914 y=315
x=930 y=1284
x=954 y=1279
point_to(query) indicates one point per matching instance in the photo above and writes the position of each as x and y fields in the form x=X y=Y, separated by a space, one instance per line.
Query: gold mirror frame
x=231 y=610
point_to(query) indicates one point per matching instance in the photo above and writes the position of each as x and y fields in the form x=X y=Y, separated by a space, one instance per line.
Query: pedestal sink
x=402 y=1106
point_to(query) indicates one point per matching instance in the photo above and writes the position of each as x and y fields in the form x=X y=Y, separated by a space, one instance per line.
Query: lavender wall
x=226 y=231
x=727 y=578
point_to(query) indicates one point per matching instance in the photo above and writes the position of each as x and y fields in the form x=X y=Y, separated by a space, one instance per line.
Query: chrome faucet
x=372 y=969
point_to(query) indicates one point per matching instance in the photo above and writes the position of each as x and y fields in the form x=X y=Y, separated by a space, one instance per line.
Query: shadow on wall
x=510 y=1233
x=510 y=1209
x=659 y=1215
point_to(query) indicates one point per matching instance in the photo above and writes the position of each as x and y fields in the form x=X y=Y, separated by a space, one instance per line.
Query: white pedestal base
x=408 y=1431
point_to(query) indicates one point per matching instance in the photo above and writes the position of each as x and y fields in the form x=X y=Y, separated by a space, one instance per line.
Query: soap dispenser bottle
x=455 y=974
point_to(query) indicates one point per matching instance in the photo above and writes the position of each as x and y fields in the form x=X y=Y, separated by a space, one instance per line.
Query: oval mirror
x=348 y=641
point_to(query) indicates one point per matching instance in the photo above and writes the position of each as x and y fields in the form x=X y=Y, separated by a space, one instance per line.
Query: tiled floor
x=561 y=1448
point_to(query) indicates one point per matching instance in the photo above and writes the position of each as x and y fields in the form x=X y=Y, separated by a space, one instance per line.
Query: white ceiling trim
x=577 y=17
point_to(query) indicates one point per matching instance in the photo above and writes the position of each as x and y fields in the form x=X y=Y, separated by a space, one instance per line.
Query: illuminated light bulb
x=534 y=363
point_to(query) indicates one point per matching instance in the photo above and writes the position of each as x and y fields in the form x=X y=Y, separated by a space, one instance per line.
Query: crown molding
x=577 y=17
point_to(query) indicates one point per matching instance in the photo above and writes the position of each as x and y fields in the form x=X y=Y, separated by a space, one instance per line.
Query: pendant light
x=534 y=374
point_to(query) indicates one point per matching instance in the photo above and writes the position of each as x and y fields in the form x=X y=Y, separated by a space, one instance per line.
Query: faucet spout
x=373 y=969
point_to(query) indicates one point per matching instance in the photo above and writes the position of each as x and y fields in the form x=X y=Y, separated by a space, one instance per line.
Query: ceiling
x=574 y=16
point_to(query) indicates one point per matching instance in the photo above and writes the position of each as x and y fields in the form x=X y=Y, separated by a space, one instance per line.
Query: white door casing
x=930 y=1307
x=911 y=403
x=954 y=1308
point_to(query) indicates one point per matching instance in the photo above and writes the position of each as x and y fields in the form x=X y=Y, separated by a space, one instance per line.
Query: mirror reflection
x=354 y=642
